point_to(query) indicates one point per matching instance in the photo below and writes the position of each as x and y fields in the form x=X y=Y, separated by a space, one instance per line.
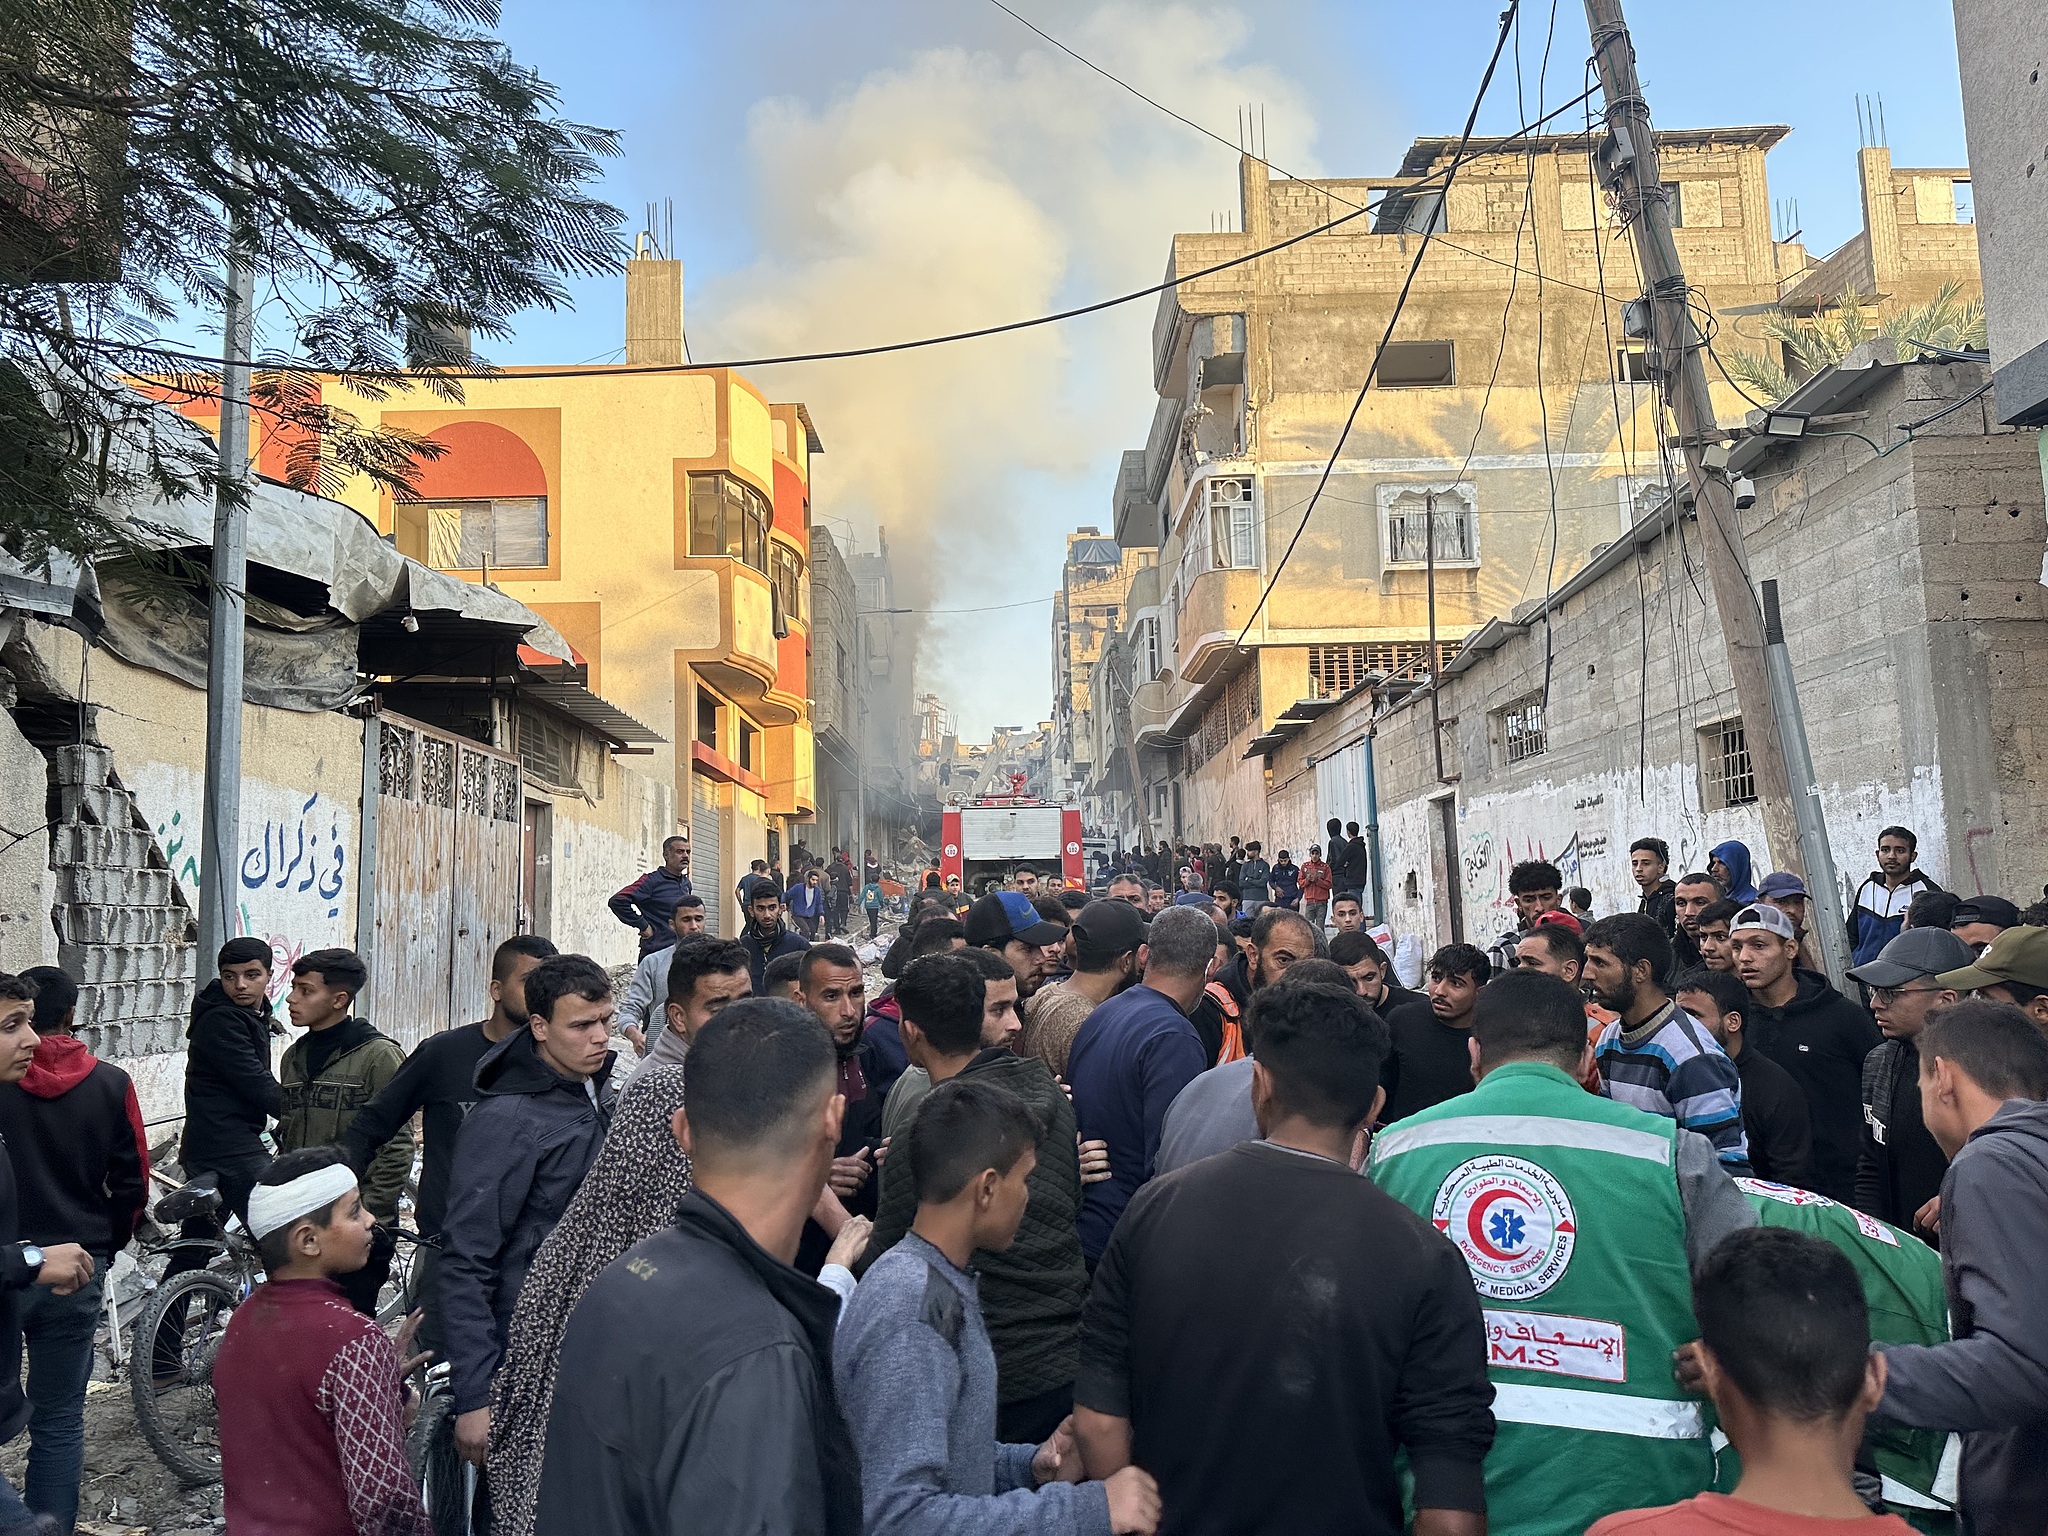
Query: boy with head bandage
x=312 y=1405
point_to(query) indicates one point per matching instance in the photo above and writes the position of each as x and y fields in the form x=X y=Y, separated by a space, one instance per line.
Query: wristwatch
x=32 y=1256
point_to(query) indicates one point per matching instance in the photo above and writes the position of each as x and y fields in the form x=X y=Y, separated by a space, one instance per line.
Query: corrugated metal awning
x=586 y=708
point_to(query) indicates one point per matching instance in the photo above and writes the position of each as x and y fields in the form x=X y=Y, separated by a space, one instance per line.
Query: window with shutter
x=506 y=532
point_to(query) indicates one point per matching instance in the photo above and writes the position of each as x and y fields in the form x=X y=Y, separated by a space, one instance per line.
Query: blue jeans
x=58 y=1333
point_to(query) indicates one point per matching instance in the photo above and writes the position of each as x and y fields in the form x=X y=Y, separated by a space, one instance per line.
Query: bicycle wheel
x=444 y=1485
x=171 y=1371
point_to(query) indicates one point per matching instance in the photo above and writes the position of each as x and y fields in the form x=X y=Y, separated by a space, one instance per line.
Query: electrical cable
x=272 y=363
x=1507 y=22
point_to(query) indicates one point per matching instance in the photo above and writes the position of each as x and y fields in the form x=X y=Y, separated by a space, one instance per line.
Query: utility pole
x=1628 y=165
x=1823 y=885
x=223 y=791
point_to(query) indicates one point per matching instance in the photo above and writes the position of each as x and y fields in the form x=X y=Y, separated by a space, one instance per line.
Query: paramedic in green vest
x=1901 y=1278
x=1581 y=1220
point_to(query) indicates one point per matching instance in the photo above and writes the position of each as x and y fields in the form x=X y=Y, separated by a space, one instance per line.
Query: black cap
x=1986 y=909
x=1109 y=928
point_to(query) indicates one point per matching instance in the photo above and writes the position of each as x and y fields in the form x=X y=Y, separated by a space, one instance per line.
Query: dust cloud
x=955 y=189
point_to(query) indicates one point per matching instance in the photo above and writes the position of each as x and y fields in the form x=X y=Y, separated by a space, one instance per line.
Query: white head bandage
x=272 y=1206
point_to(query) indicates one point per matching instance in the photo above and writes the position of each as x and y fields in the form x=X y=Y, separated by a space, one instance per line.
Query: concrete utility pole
x=1822 y=883
x=1628 y=165
x=218 y=868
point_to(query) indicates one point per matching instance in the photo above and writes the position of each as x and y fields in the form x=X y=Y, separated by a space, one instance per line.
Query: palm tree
x=1811 y=343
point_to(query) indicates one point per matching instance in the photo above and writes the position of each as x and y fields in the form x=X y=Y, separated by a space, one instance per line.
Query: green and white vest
x=1902 y=1286
x=1566 y=1208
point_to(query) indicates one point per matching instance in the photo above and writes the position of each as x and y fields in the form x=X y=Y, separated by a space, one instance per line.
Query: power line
x=1500 y=44
x=397 y=376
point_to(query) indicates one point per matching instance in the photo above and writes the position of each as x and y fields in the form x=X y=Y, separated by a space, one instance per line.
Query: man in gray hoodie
x=912 y=1362
x=1983 y=1073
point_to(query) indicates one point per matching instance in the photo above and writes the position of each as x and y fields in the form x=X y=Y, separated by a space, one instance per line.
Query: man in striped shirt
x=1656 y=1056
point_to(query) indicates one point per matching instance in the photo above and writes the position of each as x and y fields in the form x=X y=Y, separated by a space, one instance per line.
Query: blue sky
x=845 y=174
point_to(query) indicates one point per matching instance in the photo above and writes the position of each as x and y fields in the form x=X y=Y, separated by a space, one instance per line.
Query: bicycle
x=180 y=1329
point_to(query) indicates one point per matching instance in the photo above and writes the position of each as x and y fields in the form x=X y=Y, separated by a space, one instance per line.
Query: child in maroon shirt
x=312 y=1410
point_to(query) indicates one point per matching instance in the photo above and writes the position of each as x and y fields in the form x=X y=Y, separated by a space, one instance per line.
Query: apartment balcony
x=1214 y=612
x=746 y=661
x=1152 y=711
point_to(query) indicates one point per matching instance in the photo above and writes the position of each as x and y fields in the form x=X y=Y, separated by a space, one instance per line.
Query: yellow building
x=1511 y=430
x=661 y=522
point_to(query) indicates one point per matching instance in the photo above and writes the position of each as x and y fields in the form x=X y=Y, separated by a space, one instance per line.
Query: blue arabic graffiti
x=302 y=842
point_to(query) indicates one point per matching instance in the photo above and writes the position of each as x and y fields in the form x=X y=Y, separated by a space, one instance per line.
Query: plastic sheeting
x=284 y=667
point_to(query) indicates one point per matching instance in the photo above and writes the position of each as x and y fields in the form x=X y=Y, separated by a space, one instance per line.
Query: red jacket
x=1315 y=880
x=81 y=1157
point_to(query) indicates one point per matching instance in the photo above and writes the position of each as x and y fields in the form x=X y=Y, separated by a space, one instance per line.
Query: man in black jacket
x=231 y=1093
x=730 y=1423
x=833 y=989
x=765 y=934
x=1775 y=1121
x=1802 y=1023
x=438 y=1083
x=73 y=1129
x=1356 y=872
x=1649 y=862
x=544 y=1104
x=66 y=1268
x=1900 y=1166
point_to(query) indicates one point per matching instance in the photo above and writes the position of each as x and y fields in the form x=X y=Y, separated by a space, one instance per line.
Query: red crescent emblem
x=1475 y=1223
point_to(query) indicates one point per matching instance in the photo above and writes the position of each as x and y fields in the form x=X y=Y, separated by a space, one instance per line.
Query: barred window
x=1226 y=718
x=1334 y=670
x=1727 y=776
x=1414 y=516
x=1521 y=734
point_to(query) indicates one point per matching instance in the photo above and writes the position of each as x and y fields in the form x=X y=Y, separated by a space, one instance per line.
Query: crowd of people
x=1163 y=1207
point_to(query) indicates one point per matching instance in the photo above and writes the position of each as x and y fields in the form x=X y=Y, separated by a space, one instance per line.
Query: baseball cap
x=1912 y=955
x=1986 y=909
x=1781 y=883
x=2018 y=954
x=1765 y=917
x=1109 y=928
x=1557 y=919
x=1001 y=916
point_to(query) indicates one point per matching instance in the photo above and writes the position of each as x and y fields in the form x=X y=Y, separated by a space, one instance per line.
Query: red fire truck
x=985 y=841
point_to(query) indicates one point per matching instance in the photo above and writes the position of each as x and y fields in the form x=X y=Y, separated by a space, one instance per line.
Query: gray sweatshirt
x=1991 y=1382
x=917 y=1383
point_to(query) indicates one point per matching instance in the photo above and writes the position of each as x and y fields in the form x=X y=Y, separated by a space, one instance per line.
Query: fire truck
x=985 y=840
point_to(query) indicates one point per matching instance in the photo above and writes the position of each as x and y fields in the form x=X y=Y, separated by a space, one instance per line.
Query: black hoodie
x=230 y=1091
x=438 y=1083
x=1821 y=1038
x=520 y=1156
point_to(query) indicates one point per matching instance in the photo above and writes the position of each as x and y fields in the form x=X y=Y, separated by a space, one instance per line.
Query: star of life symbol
x=1513 y=1222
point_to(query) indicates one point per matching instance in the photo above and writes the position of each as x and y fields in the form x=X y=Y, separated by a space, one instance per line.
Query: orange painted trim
x=721 y=436
x=718 y=766
x=540 y=429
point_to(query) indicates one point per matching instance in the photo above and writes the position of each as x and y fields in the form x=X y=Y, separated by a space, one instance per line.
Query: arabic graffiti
x=184 y=862
x=292 y=876
x=303 y=840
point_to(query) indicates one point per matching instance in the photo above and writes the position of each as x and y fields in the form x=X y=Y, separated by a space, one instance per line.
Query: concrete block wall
x=125 y=930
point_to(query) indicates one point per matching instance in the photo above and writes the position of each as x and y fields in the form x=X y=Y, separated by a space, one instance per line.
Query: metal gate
x=447 y=877
x=706 y=867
